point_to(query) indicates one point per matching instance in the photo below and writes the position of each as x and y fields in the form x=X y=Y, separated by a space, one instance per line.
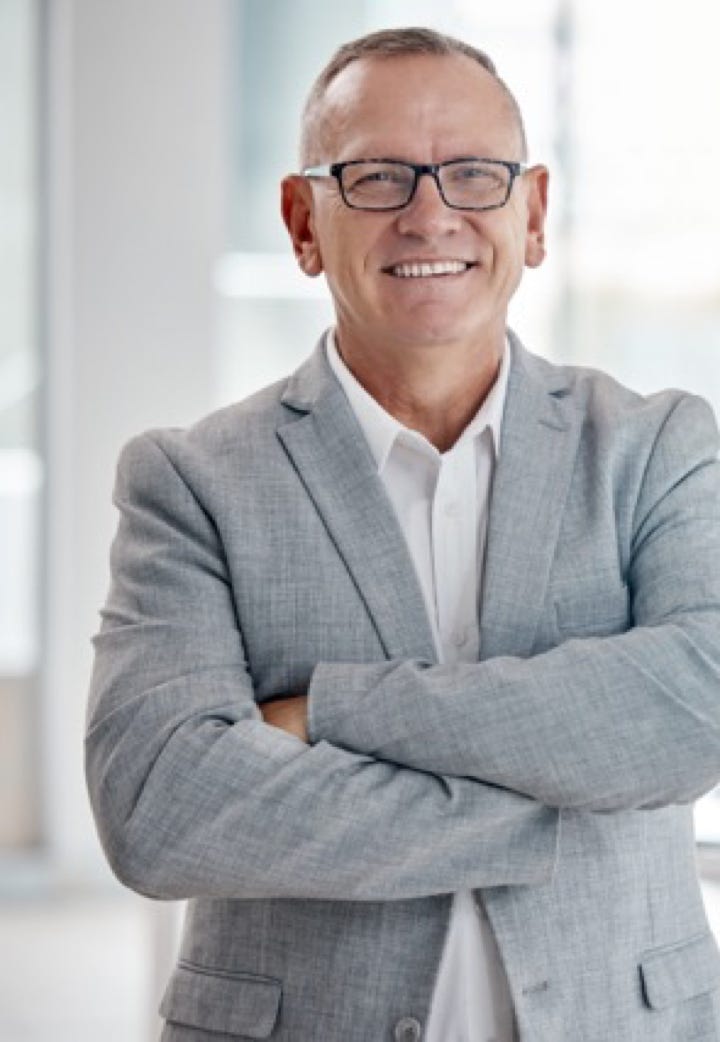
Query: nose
x=427 y=215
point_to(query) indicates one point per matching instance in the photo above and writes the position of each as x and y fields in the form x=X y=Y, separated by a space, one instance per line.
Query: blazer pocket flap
x=671 y=975
x=222 y=1000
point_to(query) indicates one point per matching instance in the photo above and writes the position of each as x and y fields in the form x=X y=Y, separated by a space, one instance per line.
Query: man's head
x=388 y=43
x=425 y=273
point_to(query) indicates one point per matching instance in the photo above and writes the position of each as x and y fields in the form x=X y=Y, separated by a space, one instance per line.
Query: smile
x=425 y=269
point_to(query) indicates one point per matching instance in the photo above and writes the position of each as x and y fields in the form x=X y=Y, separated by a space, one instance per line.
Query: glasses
x=388 y=184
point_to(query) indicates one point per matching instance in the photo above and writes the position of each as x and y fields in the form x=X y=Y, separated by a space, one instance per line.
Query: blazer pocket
x=680 y=971
x=225 y=1001
x=592 y=612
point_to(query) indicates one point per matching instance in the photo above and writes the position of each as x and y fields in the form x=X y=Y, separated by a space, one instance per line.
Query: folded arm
x=194 y=795
x=610 y=723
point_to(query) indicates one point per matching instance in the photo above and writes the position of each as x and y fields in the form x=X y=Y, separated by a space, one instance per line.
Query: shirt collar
x=381 y=429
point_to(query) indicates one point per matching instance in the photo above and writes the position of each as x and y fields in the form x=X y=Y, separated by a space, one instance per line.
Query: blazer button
x=408 y=1029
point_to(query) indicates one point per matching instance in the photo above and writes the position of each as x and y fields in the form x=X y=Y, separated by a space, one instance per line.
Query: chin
x=422 y=326
x=422 y=339
x=438 y=333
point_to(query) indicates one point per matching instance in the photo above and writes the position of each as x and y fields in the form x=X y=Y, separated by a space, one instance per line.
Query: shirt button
x=407 y=1029
x=452 y=509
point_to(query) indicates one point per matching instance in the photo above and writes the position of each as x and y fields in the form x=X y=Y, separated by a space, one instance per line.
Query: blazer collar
x=539 y=442
x=311 y=383
x=530 y=376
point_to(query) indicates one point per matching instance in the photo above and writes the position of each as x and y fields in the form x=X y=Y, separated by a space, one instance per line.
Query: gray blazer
x=257 y=554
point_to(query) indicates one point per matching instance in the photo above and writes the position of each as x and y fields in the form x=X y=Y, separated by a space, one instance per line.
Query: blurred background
x=145 y=279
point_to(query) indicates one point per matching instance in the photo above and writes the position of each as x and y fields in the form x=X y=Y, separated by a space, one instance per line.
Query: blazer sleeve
x=194 y=795
x=619 y=722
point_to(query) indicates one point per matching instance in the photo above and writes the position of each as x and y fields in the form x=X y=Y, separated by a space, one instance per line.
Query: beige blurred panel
x=18 y=794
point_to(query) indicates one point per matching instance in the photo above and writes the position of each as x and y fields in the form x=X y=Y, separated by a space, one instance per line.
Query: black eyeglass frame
x=335 y=170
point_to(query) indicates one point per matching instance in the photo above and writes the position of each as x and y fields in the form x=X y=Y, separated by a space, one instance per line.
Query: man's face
x=422 y=109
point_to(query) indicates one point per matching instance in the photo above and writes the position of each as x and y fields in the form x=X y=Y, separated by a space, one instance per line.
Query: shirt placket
x=454 y=551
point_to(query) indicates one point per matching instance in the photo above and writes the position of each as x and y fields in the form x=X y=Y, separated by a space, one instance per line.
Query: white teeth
x=426 y=268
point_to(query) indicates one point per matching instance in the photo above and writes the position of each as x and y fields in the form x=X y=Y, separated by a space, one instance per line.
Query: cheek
x=350 y=262
x=344 y=272
x=509 y=249
x=330 y=230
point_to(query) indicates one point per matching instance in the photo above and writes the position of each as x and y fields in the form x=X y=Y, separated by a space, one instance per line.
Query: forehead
x=417 y=107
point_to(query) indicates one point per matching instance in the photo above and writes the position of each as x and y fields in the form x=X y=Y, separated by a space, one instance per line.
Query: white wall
x=138 y=97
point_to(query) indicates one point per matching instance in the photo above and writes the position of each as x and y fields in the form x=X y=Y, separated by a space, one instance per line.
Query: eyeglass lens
x=379 y=186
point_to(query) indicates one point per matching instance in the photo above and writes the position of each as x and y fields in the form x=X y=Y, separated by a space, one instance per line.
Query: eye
x=375 y=176
x=367 y=176
x=490 y=177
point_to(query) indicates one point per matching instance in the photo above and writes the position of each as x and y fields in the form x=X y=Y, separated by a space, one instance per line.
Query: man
x=409 y=669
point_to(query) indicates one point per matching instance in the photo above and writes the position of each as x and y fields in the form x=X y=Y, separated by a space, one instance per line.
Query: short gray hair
x=392 y=43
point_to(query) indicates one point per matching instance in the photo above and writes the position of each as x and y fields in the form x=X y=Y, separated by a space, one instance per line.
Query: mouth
x=428 y=269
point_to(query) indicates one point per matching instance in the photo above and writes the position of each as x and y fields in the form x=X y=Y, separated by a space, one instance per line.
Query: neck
x=435 y=391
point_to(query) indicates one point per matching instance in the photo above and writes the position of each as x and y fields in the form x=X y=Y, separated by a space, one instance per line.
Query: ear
x=298 y=214
x=538 y=177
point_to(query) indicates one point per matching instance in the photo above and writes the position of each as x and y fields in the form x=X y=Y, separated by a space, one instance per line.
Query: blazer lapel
x=539 y=441
x=328 y=449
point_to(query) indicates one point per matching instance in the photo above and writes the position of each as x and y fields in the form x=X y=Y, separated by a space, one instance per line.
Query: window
x=20 y=465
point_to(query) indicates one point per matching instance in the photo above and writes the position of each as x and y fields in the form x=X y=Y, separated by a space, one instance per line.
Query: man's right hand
x=289 y=714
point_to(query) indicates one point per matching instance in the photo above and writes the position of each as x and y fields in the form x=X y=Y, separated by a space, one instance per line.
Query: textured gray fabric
x=256 y=555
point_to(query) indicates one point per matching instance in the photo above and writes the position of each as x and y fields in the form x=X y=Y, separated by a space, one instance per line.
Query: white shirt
x=441 y=501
